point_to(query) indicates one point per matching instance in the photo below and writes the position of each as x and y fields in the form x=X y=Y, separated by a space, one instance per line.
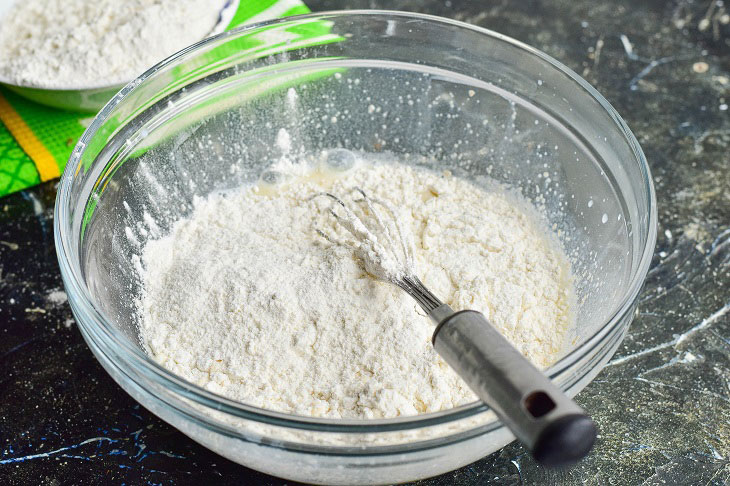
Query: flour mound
x=246 y=299
x=83 y=43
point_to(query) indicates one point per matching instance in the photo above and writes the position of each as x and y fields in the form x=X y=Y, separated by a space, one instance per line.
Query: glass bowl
x=433 y=91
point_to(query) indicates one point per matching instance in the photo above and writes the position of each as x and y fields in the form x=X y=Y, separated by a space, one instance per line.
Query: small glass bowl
x=433 y=91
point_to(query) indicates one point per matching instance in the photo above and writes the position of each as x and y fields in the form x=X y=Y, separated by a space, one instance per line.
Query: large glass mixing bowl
x=434 y=92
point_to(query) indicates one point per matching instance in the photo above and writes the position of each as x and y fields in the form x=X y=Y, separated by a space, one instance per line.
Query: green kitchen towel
x=36 y=140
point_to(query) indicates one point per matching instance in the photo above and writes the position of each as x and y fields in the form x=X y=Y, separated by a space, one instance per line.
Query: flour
x=57 y=297
x=84 y=43
x=246 y=299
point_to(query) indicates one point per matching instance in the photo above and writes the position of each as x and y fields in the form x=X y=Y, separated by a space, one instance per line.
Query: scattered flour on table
x=57 y=297
x=83 y=43
x=244 y=297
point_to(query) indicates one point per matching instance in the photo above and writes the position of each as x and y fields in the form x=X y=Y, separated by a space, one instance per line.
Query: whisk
x=552 y=426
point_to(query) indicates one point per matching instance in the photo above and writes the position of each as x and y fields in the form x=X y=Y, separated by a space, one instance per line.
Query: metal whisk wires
x=381 y=242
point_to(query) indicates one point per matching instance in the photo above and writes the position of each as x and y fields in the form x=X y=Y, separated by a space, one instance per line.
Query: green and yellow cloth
x=36 y=141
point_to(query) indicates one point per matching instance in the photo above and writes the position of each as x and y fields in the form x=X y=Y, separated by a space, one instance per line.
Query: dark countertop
x=663 y=402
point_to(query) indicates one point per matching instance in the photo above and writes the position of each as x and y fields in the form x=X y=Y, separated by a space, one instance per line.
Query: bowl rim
x=82 y=302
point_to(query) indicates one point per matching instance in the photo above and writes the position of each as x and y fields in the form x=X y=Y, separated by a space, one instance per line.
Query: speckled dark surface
x=662 y=404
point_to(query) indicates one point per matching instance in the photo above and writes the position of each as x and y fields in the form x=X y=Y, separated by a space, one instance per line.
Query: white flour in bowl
x=245 y=298
x=84 y=43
